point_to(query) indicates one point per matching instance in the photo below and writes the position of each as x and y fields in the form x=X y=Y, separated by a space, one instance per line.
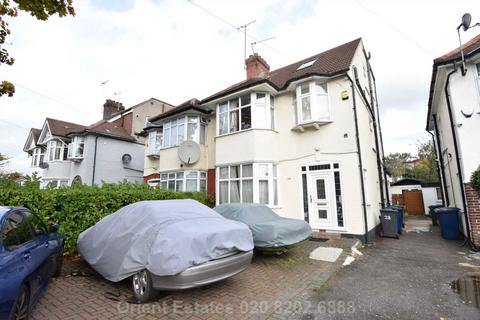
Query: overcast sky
x=174 y=51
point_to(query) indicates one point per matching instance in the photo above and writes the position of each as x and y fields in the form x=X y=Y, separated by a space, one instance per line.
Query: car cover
x=165 y=237
x=268 y=228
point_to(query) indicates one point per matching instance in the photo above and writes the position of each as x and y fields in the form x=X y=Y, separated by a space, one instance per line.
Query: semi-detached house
x=303 y=139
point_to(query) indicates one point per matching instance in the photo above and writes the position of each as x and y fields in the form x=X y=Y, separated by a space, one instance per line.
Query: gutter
x=94 y=161
x=438 y=166
x=457 y=155
x=359 y=153
x=441 y=163
x=374 y=118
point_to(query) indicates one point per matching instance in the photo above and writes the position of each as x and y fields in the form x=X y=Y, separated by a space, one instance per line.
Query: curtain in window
x=263 y=191
x=235 y=191
x=247 y=190
x=234 y=120
x=192 y=128
x=166 y=137
x=223 y=192
x=181 y=130
x=247 y=170
x=306 y=109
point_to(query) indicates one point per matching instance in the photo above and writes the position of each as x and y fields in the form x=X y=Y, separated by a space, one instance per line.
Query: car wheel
x=58 y=264
x=21 y=309
x=143 y=286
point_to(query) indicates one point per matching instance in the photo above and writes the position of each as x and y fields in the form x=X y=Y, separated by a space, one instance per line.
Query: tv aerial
x=253 y=44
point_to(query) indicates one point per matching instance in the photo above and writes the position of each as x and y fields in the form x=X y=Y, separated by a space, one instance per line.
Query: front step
x=324 y=234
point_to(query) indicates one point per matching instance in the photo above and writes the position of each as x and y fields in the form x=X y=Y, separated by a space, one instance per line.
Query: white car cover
x=166 y=237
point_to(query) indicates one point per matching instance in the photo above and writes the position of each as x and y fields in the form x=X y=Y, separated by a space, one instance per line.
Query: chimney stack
x=110 y=108
x=257 y=67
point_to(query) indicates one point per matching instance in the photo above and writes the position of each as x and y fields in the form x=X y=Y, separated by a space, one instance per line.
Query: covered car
x=164 y=245
x=268 y=228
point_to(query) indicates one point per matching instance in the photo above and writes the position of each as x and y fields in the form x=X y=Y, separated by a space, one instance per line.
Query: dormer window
x=154 y=143
x=75 y=148
x=312 y=102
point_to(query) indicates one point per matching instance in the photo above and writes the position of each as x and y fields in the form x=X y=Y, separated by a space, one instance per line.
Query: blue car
x=30 y=254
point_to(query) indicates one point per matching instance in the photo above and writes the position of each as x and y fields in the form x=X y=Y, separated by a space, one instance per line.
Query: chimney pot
x=110 y=108
x=257 y=67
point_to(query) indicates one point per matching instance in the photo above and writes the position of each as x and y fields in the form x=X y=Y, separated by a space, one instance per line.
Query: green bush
x=475 y=180
x=79 y=207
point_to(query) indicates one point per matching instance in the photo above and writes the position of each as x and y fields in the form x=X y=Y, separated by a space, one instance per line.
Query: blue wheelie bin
x=449 y=223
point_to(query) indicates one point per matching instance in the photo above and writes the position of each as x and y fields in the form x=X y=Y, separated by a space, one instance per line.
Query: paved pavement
x=267 y=288
x=399 y=279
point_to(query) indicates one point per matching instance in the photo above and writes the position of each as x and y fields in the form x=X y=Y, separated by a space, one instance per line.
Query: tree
x=395 y=163
x=3 y=160
x=40 y=9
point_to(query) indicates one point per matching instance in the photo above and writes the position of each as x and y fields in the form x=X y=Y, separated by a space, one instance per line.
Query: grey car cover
x=268 y=228
x=166 y=237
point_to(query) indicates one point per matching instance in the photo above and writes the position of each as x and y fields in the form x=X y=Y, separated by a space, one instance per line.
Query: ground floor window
x=54 y=183
x=193 y=181
x=248 y=183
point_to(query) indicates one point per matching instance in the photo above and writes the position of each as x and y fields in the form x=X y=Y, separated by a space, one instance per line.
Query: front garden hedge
x=79 y=207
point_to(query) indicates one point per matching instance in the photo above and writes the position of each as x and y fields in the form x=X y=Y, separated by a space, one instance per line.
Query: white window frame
x=182 y=176
x=271 y=176
x=154 y=142
x=37 y=157
x=315 y=95
x=58 y=145
x=258 y=110
x=183 y=122
x=74 y=146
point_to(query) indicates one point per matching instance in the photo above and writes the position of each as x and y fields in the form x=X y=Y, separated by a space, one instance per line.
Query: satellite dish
x=466 y=20
x=189 y=152
x=126 y=158
x=43 y=165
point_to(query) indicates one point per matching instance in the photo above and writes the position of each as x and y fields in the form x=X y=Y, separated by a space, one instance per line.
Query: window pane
x=191 y=185
x=245 y=99
x=163 y=184
x=246 y=118
x=321 y=88
x=164 y=176
x=181 y=133
x=222 y=107
x=166 y=137
x=305 y=88
x=233 y=104
x=192 y=128
x=223 y=123
x=274 y=170
x=37 y=225
x=179 y=175
x=22 y=228
x=173 y=138
x=263 y=191
x=203 y=185
x=234 y=172
x=306 y=109
x=203 y=175
x=321 y=189
x=202 y=134
x=171 y=175
x=223 y=192
x=179 y=185
x=192 y=174
x=234 y=121
x=247 y=191
x=247 y=170
x=260 y=98
x=171 y=184
x=235 y=191
x=224 y=173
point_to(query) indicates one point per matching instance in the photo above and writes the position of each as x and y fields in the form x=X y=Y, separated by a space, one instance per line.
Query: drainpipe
x=457 y=155
x=438 y=166
x=359 y=153
x=94 y=161
x=375 y=131
x=441 y=163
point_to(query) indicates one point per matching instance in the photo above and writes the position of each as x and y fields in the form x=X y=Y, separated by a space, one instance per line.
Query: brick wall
x=473 y=203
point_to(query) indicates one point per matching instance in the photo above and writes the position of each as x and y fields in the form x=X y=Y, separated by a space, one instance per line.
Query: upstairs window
x=56 y=151
x=37 y=157
x=154 y=142
x=251 y=110
x=75 y=148
x=176 y=131
x=312 y=102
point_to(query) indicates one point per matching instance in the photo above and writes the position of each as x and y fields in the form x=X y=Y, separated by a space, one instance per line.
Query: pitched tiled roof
x=62 y=128
x=327 y=63
x=35 y=134
x=107 y=129
x=187 y=105
x=468 y=48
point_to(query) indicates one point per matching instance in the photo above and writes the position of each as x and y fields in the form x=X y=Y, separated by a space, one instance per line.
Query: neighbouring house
x=454 y=121
x=304 y=139
x=416 y=195
x=110 y=150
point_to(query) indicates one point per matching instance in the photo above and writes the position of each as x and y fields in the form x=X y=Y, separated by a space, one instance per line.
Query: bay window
x=176 y=131
x=312 y=102
x=55 y=151
x=189 y=181
x=75 y=148
x=37 y=157
x=154 y=142
x=251 y=110
x=248 y=183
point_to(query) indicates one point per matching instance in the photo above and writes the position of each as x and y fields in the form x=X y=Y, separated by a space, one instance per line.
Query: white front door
x=321 y=201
